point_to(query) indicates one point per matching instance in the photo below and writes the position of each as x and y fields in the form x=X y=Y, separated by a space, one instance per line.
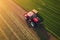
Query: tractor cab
x=32 y=15
x=32 y=18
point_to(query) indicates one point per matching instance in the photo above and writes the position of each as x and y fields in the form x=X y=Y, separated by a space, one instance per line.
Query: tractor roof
x=30 y=13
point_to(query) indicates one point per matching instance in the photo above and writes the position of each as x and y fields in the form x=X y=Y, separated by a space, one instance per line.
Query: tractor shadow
x=42 y=33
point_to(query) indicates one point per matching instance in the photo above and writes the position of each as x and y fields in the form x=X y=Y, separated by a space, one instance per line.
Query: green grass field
x=49 y=10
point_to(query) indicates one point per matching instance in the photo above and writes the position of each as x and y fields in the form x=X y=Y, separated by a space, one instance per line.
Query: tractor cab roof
x=30 y=13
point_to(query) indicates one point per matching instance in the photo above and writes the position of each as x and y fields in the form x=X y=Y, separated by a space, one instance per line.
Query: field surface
x=13 y=25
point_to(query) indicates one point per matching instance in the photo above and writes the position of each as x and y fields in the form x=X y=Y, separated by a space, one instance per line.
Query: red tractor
x=32 y=18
